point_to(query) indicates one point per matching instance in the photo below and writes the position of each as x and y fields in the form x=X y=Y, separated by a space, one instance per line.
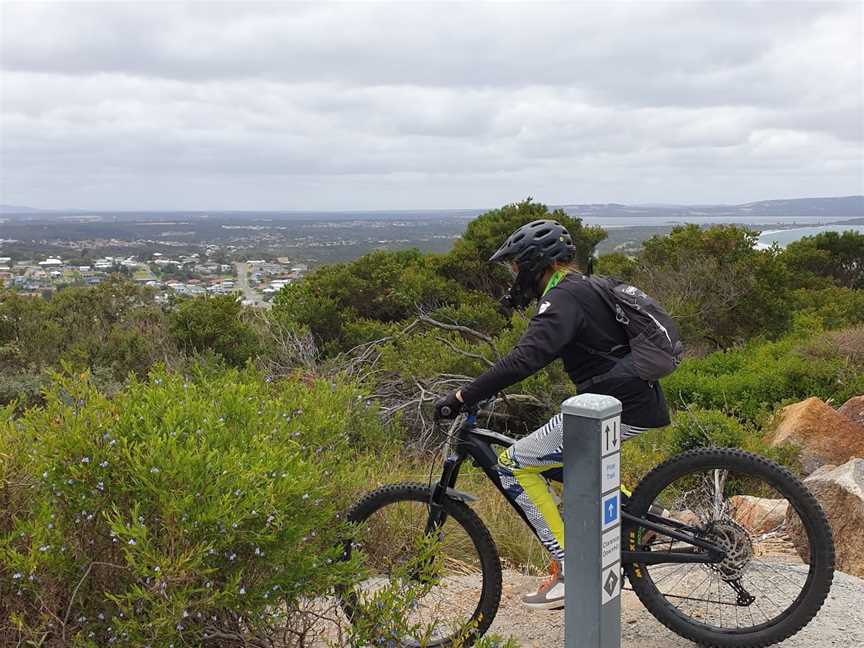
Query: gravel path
x=839 y=623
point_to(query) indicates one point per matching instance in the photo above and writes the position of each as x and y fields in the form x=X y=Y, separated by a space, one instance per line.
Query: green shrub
x=750 y=381
x=721 y=290
x=115 y=324
x=833 y=256
x=695 y=428
x=180 y=508
x=705 y=428
x=22 y=389
x=216 y=323
x=833 y=307
x=617 y=264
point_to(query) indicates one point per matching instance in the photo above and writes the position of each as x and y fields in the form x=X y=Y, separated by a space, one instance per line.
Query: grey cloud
x=434 y=104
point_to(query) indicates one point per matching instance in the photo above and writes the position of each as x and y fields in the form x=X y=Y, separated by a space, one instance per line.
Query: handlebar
x=447 y=412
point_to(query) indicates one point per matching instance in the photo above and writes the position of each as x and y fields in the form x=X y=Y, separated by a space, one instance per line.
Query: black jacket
x=570 y=317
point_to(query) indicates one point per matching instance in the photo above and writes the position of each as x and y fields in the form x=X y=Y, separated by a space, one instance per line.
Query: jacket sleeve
x=558 y=317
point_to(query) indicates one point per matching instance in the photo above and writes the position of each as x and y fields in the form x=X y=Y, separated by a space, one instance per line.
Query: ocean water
x=786 y=236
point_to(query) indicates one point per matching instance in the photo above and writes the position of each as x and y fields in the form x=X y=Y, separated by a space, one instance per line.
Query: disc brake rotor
x=734 y=539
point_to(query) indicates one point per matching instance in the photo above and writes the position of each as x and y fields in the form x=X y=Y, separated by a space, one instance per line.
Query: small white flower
x=85 y=460
x=132 y=541
x=242 y=590
x=17 y=575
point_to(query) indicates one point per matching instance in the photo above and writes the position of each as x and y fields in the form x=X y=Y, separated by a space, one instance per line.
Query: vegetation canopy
x=175 y=472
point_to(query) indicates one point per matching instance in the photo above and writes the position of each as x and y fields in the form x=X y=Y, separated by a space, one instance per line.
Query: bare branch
x=462 y=329
x=467 y=354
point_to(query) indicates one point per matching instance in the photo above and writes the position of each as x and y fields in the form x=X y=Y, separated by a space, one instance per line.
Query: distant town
x=255 y=254
x=255 y=281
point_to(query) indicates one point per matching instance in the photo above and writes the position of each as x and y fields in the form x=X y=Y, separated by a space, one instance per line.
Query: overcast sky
x=428 y=105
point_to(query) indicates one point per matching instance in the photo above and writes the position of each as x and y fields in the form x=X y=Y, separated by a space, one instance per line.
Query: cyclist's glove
x=448 y=407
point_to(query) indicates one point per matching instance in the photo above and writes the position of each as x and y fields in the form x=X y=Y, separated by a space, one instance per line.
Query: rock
x=853 y=409
x=824 y=435
x=685 y=516
x=840 y=491
x=758 y=514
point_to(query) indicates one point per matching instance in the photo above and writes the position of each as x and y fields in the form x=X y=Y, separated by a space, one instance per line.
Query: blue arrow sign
x=610 y=510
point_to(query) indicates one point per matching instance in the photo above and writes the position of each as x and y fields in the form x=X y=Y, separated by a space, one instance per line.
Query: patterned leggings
x=520 y=467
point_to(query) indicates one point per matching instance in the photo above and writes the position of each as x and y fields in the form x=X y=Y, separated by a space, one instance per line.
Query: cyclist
x=573 y=323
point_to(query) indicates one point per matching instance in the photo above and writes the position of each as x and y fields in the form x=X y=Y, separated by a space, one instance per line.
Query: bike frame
x=471 y=442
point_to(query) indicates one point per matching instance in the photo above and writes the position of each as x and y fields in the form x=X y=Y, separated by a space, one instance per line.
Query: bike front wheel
x=446 y=583
x=779 y=552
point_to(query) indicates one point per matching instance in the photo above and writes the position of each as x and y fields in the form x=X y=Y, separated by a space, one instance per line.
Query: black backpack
x=655 y=344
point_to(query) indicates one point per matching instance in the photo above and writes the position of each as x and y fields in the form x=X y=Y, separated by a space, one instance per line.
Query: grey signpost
x=592 y=521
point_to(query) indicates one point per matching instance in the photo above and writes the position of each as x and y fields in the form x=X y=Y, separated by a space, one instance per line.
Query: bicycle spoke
x=437 y=573
x=761 y=571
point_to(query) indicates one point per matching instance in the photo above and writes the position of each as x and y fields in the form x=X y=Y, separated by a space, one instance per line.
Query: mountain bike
x=702 y=568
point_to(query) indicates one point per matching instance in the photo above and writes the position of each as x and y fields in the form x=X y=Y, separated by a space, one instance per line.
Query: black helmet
x=533 y=247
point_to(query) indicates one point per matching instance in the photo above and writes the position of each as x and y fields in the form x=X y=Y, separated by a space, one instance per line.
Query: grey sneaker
x=550 y=593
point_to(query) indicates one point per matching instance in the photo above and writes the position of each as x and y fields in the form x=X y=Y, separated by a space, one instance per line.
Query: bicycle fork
x=442 y=490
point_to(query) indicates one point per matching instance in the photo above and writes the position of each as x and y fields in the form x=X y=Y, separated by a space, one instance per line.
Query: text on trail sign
x=610 y=472
x=609 y=514
x=610 y=432
x=610 y=547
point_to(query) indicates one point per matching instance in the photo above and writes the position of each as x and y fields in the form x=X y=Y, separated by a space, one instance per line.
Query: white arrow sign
x=610 y=431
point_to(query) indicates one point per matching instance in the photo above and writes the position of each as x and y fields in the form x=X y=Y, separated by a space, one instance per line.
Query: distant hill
x=18 y=209
x=841 y=207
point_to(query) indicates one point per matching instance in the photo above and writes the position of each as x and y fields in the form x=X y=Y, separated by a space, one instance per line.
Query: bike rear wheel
x=779 y=550
x=452 y=576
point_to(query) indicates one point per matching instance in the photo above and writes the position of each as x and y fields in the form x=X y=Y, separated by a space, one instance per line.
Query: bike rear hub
x=735 y=541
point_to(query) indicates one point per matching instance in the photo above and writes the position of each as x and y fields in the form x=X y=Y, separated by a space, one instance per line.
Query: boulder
x=758 y=514
x=823 y=435
x=853 y=409
x=685 y=516
x=840 y=491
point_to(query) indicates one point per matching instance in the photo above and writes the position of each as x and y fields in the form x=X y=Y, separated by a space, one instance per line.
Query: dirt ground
x=839 y=623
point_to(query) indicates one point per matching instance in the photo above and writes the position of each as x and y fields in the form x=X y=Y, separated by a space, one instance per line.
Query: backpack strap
x=582 y=386
x=601 y=292
x=609 y=355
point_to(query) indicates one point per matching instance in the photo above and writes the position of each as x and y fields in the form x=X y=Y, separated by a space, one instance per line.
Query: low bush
x=23 y=389
x=833 y=307
x=695 y=428
x=750 y=381
x=183 y=508
x=216 y=323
